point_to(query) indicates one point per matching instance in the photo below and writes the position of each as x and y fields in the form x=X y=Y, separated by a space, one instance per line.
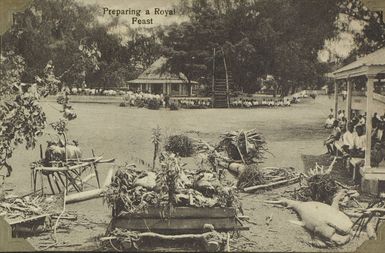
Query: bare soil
x=124 y=133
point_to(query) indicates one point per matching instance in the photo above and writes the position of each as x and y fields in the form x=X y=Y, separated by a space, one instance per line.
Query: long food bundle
x=253 y=176
x=134 y=191
x=248 y=146
x=123 y=240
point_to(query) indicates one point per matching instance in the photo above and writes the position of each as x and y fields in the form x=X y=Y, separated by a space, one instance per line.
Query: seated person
x=333 y=137
x=359 y=142
x=348 y=140
x=362 y=120
x=329 y=121
x=377 y=155
x=342 y=124
x=339 y=112
x=247 y=104
x=355 y=119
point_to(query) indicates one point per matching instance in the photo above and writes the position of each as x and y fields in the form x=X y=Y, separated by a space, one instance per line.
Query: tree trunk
x=2 y=192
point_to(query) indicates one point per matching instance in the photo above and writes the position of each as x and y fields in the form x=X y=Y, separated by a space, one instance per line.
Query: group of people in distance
x=141 y=98
x=249 y=103
x=194 y=103
x=349 y=138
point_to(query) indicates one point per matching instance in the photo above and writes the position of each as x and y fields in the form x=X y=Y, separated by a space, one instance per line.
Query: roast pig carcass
x=328 y=223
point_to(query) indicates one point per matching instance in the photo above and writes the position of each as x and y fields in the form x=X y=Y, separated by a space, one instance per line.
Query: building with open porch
x=158 y=81
x=371 y=69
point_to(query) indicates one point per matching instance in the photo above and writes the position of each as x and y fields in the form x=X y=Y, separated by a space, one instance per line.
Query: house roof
x=155 y=75
x=375 y=60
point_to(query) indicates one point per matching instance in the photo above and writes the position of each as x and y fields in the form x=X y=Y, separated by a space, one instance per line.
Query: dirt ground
x=124 y=133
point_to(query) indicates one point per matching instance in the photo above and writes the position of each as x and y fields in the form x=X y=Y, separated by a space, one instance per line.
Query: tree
x=276 y=37
x=21 y=117
x=50 y=30
x=143 y=47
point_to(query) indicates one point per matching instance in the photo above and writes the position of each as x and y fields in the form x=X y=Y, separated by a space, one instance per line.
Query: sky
x=342 y=45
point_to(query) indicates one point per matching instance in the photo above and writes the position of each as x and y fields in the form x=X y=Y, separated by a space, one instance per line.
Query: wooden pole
x=213 y=80
x=369 y=114
x=227 y=79
x=349 y=87
x=335 y=99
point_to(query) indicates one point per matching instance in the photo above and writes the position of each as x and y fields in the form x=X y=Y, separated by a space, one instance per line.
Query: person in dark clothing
x=334 y=136
x=167 y=100
x=375 y=120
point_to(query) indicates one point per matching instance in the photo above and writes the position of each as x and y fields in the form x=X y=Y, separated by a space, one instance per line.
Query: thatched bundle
x=248 y=146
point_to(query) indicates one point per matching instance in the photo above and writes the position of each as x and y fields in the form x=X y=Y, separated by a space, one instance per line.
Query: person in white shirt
x=329 y=122
x=264 y=102
x=348 y=140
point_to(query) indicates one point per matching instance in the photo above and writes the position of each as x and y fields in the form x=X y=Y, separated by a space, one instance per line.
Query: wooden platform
x=180 y=220
x=373 y=180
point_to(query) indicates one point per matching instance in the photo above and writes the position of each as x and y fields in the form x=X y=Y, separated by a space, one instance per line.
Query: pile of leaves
x=133 y=190
x=124 y=194
x=248 y=146
x=253 y=175
x=180 y=145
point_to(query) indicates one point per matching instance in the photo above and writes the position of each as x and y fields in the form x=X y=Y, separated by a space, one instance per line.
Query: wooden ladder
x=220 y=87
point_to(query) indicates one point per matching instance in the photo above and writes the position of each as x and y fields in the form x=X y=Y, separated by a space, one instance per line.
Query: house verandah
x=372 y=68
x=161 y=87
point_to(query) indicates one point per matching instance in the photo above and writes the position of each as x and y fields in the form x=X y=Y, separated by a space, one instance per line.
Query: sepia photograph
x=192 y=125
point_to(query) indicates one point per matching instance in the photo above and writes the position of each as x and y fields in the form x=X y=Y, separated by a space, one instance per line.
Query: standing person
x=344 y=95
x=167 y=100
x=378 y=133
x=375 y=120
